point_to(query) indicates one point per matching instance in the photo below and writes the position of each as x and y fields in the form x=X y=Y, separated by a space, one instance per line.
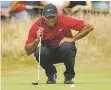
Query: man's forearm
x=83 y=32
x=30 y=48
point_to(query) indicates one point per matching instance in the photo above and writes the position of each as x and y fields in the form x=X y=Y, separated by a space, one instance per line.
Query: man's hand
x=65 y=39
x=40 y=32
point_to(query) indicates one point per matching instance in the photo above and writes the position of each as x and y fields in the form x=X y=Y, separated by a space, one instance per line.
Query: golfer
x=58 y=43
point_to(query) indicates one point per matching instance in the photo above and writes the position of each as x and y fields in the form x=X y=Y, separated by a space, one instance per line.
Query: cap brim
x=50 y=14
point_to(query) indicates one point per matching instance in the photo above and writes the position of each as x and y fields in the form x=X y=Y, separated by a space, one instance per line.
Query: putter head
x=36 y=83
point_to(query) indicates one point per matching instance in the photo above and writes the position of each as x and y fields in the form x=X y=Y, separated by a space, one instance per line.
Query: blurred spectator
x=34 y=11
x=6 y=7
x=100 y=5
x=19 y=11
x=15 y=9
x=59 y=4
x=77 y=5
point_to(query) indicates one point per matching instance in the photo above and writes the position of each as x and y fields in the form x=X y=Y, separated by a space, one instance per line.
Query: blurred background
x=18 y=16
x=25 y=10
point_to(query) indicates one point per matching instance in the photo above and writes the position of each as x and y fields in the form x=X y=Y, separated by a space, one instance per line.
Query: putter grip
x=41 y=35
x=41 y=26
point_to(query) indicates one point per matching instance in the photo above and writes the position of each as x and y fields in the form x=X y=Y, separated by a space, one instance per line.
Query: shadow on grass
x=77 y=83
x=46 y=83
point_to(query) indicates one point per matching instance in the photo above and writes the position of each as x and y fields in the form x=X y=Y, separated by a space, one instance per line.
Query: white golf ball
x=72 y=85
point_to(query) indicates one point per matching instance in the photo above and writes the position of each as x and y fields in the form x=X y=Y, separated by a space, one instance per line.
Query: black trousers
x=64 y=54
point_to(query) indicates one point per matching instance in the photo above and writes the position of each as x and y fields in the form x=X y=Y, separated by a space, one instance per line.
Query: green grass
x=85 y=79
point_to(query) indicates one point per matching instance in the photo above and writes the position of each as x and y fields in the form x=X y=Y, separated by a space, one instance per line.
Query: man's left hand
x=65 y=39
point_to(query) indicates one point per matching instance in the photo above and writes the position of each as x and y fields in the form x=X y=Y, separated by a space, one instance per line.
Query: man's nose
x=50 y=20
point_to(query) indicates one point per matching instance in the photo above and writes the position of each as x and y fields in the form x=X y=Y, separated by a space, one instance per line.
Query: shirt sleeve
x=32 y=33
x=73 y=23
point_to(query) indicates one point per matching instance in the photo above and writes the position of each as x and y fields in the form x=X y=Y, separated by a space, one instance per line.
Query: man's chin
x=50 y=25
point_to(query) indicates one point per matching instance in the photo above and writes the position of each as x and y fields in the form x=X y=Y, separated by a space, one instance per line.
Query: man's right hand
x=30 y=48
x=40 y=32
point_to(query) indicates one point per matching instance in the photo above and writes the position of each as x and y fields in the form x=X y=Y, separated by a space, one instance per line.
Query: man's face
x=50 y=21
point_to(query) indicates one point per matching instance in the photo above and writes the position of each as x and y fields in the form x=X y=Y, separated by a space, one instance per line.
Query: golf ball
x=72 y=85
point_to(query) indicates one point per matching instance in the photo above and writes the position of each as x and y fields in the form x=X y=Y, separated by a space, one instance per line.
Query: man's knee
x=68 y=46
x=44 y=52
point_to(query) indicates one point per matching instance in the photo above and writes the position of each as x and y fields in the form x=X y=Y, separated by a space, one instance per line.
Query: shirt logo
x=49 y=9
x=60 y=30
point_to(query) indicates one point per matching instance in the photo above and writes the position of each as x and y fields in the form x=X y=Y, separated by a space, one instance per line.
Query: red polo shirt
x=52 y=37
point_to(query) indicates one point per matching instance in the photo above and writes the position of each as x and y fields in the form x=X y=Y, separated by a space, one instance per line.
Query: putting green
x=85 y=79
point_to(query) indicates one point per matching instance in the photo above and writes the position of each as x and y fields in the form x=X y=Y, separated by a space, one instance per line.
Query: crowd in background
x=23 y=10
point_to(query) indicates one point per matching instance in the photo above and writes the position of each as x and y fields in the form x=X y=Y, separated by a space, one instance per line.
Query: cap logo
x=49 y=9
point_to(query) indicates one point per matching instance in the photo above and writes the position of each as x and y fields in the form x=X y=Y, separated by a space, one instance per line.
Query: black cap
x=50 y=10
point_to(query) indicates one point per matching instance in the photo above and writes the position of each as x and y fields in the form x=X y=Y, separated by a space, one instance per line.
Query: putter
x=36 y=83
